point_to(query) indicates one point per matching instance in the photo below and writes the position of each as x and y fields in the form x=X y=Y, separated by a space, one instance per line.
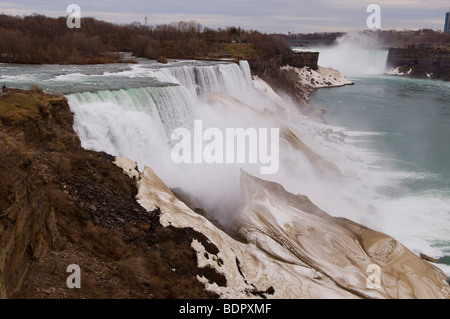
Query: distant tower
x=146 y=20
x=447 y=22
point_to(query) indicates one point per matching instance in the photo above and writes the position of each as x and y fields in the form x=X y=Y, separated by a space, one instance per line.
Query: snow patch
x=397 y=71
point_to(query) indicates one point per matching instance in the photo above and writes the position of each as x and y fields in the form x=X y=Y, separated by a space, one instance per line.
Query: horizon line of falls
x=137 y=123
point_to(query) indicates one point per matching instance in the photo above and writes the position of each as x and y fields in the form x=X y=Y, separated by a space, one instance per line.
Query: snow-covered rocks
x=320 y=78
x=295 y=250
x=399 y=71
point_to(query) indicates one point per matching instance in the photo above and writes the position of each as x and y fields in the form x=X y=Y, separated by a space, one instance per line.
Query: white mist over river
x=381 y=160
x=355 y=54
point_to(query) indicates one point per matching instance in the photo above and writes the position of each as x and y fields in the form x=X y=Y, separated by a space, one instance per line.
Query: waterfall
x=172 y=104
x=245 y=67
x=132 y=112
x=169 y=107
x=137 y=123
x=354 y=54
x=228 y=78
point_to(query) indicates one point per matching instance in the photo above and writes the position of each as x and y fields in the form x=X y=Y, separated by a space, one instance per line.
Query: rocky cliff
x=273 y=72
x=63 y=205
x=421 y=62
x=289 y=248
x=294 y=59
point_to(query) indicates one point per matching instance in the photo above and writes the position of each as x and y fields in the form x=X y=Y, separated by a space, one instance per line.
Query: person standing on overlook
x=4 y=90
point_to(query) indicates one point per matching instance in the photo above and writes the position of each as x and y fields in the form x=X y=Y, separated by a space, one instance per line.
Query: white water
x=418 y=219
x=354 y=54
x=136 y=123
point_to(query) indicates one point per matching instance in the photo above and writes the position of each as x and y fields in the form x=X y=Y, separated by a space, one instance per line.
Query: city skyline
x=447 y=22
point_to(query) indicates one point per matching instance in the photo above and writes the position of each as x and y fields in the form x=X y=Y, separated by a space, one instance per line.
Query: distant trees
x=385 y=37
x=40 y=39
x=399 y=38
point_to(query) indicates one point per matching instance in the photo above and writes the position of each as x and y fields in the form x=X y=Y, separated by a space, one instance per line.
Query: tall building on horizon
x=447 y=23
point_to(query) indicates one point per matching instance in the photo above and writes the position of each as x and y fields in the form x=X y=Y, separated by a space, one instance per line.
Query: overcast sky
x=299 y=16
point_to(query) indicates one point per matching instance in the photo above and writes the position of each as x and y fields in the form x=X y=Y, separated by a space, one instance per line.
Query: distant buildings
x=447 y=23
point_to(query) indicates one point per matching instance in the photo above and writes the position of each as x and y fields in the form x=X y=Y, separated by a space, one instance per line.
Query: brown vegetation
x=39 y=39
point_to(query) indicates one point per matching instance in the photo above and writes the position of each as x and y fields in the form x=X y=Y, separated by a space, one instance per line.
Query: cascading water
x=170 y=105
x=204 y=80
x=137 y=123
x=354 y=54
x=405 y=121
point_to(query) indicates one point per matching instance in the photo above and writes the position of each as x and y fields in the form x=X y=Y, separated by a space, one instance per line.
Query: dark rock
x=53 y=213
x=422 y=61
x=428 y=258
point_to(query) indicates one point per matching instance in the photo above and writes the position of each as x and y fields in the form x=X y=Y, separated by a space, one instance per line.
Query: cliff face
x=267 y=67
x=63 y=205
x=28 y=223
x=292 y=249
x=271 y=71
x=302 y=59
x=421 y=61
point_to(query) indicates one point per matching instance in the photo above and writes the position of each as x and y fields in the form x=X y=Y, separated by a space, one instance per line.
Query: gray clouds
x=263 y=15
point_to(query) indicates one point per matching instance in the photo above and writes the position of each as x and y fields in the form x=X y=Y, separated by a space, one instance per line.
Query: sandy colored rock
x=296 y=250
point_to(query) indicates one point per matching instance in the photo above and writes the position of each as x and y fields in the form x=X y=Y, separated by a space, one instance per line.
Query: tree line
x=40 y=39
x=388 y=38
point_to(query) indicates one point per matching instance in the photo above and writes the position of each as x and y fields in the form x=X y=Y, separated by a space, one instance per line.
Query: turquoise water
x=407 y=123
x=413 y=117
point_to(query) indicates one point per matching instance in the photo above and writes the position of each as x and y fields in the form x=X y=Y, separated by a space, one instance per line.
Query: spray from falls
x=137 y=123
x=355 y=54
